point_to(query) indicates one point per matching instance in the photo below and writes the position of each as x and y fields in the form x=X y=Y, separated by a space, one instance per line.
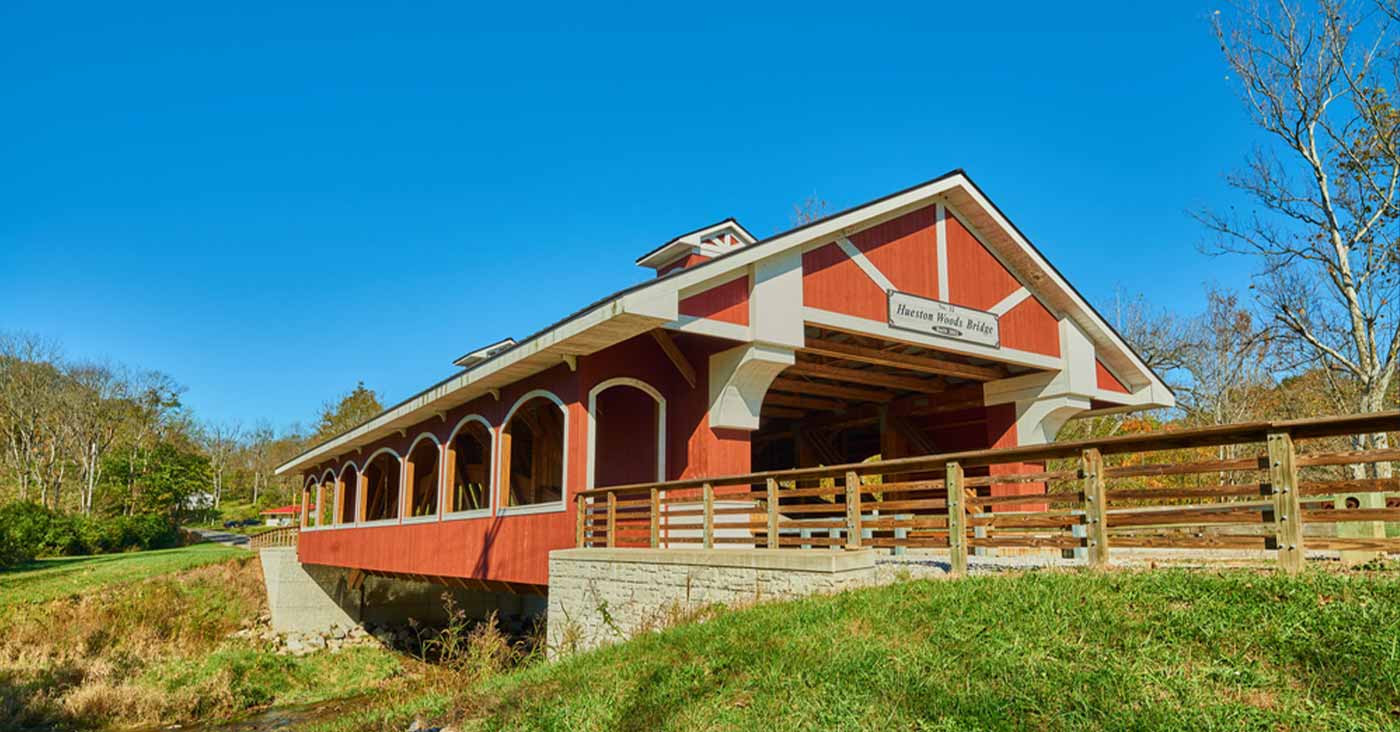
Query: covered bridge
x=920 y=322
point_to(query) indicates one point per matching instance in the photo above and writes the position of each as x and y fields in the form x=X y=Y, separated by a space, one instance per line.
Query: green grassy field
x=146 y=638
x=47 y=579
x=1162 y=650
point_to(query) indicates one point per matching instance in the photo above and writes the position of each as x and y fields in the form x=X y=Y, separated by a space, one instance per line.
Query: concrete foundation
x=599 y=596
x=310 y=598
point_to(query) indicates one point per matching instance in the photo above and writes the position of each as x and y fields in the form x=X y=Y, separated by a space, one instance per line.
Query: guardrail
x=285 y=536
x=1245 y=486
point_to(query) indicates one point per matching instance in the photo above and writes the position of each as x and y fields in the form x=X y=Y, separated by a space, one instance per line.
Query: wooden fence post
x=655 y=524
x=709 y=527
x=1288 y=509
x=772 y=486
x=1095 y=506
x=612 y=519
x=580 y=537
x=957 y=519
x=852 y=511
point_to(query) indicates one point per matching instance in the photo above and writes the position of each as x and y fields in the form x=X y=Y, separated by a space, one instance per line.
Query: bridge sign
x=943 y=319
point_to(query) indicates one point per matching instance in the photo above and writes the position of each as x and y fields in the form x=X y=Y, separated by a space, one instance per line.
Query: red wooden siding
x=831 y=281
x=975 y=278
x=516 y=548
x=728 y=302
x=1030 y=327
x=625 y=432
x=688 y=260
x=1106 y=380
x=905 y=250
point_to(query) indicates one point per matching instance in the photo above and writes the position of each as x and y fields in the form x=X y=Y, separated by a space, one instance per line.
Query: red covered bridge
x=917 y=323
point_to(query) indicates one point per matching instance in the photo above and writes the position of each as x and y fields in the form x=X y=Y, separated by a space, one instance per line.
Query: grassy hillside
x=142 y=638
x=47 y=579
x=1164 y=650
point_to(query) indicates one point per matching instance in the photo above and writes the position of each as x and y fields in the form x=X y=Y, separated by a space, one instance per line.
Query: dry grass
x=159 y=652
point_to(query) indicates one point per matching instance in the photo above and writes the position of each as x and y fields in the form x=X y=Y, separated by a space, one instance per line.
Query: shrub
x=30 y=530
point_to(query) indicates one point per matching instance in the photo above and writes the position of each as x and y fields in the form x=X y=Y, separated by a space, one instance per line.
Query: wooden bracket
x=673 y=352
x=357 y=578
x=495 y=394
x=572 y=361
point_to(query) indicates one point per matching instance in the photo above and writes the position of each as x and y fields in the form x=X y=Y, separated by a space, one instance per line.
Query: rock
x=294 y=645
x=338 y=633
x=315 y=642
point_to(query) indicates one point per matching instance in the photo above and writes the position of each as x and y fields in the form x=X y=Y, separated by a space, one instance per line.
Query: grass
x=1160 y=650
x=159 y=650
x=48 y=579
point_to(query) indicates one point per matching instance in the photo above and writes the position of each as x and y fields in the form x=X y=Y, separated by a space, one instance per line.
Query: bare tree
x=92 y=417
x=220 y=440
x=29 y=383
x=1324 y=235
x=1228 y=359
x=810 y=209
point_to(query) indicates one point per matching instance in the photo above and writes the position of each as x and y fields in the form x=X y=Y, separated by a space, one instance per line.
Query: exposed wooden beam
x=783 y=400
x=673 y=352
x=925 y=364
x=851 y=393
x=917 y=438
x=780 y=412
x=868 y=377
x=820 y=447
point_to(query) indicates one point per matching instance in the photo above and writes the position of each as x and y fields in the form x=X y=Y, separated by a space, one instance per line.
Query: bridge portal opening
x=532 y=453
x=469 y=466
x=382 y=487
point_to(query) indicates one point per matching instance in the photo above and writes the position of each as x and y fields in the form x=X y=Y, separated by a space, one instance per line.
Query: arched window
x=382 y=487
x=308 y=498
x=532 y=452
x=422 y=475
x=348 y=489
x=325 y=499
x=469 y=468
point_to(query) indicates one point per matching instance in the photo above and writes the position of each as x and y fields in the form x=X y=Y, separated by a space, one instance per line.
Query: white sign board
x=942 y=319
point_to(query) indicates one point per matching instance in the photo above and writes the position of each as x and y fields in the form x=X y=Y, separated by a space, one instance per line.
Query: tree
x=810 y=209
x=220 y=440
x=351 y=410
x=1324 y=188
x=92 y=419
x=1228 y=359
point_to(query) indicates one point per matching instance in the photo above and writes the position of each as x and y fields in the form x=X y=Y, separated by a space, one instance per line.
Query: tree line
x=93 y=438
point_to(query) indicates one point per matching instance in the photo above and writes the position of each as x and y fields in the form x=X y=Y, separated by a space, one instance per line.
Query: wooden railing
x=285 y=536
x=1276 y=486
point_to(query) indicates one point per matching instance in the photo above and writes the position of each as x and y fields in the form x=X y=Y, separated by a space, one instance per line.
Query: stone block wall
x=600 y=596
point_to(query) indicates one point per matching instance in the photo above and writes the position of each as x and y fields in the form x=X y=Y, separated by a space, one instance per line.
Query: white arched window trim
x=339 y=476
x=370 y=461
x=311 y=487
x=404 y=508
x=490 y=471
x=593 y=424
x=559 y=505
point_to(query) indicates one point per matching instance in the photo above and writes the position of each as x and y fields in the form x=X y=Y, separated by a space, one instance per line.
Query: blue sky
x=272 y=202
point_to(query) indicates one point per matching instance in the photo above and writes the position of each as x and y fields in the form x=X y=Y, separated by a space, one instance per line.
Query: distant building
x=283 y=515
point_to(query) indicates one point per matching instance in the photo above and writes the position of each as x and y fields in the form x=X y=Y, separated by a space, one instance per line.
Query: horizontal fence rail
x=285 y=536
x=1279 y=487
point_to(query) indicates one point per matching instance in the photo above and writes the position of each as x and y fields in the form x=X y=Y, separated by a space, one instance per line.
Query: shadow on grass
x=27 y=702
x=55 y=564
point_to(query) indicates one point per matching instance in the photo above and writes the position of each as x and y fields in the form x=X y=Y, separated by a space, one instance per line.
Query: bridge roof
x=654 y=303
